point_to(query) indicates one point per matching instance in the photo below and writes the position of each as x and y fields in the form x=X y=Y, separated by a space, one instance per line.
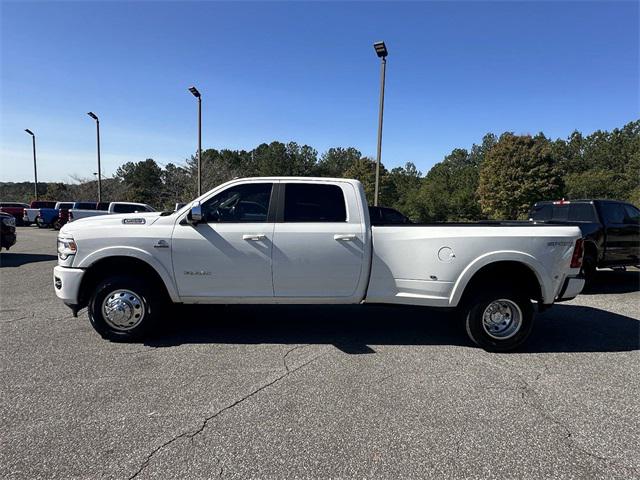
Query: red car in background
x=15 y=209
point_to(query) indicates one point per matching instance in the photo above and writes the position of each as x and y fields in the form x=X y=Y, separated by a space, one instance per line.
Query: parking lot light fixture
x=95 y=117
x=381 y=51
x=194 y=91
x=35 y=167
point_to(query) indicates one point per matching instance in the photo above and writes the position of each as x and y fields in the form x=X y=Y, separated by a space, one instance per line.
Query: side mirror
x=195 y=215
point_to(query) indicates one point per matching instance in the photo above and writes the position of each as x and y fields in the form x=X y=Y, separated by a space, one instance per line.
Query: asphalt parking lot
x=314 y=392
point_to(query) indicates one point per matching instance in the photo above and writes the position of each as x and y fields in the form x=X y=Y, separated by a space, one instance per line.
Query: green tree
x=405 y=185
x=602 y=164
x=364 y=170
x=218 y=166
x=449 y=191
x=518 y=171
x=142 y=181
x=336 y=161
x=178 y=185
x=60 y=191
x=279 y=159
x=479 y=152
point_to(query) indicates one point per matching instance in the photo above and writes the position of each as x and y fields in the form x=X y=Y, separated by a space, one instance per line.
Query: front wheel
x=499 y=321
x=57 y=224
x=123 y=308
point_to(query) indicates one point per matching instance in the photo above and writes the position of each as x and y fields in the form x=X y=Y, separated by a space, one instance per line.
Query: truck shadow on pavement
x=9 y=259
x=610 y=281
x=358 y=329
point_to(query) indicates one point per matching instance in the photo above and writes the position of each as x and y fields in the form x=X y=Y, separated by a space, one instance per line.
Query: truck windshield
x=565 y=212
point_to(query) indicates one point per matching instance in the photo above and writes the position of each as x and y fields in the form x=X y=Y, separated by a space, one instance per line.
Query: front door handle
x=344 y=238
x=254 y=237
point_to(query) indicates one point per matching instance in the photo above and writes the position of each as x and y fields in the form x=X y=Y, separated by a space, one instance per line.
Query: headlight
x=66 y=247
x=9 y=221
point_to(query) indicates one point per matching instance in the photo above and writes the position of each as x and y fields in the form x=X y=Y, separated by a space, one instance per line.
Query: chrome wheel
x=502 y=319
x=123 y=310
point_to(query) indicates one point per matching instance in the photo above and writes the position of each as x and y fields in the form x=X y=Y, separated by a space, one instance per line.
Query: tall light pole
x=381 y=51
x=95 y=117
x=35 y=168
x=196 y=94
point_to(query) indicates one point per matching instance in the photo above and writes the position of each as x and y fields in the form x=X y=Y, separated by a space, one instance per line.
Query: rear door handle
x=344 y=238
x=254 y=237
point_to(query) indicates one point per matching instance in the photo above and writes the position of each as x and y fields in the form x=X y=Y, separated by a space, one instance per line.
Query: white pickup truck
x=309 y=240
x=114 y=207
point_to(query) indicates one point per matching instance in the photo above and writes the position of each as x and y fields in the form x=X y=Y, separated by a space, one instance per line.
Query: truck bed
x=423 y=265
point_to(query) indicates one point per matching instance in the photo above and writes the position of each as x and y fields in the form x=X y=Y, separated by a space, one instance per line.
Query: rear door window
x=613 y=212
x=311 y=202
x=632 y=215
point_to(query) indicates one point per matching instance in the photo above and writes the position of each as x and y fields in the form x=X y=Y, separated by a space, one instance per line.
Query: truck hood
x=114 y=220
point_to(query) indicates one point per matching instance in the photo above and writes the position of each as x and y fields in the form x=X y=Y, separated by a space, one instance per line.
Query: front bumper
x=66 y=284
x=570 y=289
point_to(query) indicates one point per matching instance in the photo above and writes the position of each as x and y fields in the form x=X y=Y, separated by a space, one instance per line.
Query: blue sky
x=304 y=72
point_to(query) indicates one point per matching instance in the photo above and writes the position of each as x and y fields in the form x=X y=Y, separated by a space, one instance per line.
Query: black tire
x=40 y=223
x=500 y=341
x=26 y=224
x=588 y=268
x=147 y=303
x=57 y=225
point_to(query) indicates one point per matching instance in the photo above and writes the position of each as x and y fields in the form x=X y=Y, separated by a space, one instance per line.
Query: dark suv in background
x=611 y=229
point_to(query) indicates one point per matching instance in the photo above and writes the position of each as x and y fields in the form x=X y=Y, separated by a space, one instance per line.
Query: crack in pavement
x=191 y=435
x=532 y=398
x=284 y=357
x=32 y=315
x=7 y=322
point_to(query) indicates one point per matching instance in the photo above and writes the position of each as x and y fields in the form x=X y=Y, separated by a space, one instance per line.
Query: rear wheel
x=123 y=308
x=40 y=223
x=500 y=320
x=57 y=224
x=588 y=268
